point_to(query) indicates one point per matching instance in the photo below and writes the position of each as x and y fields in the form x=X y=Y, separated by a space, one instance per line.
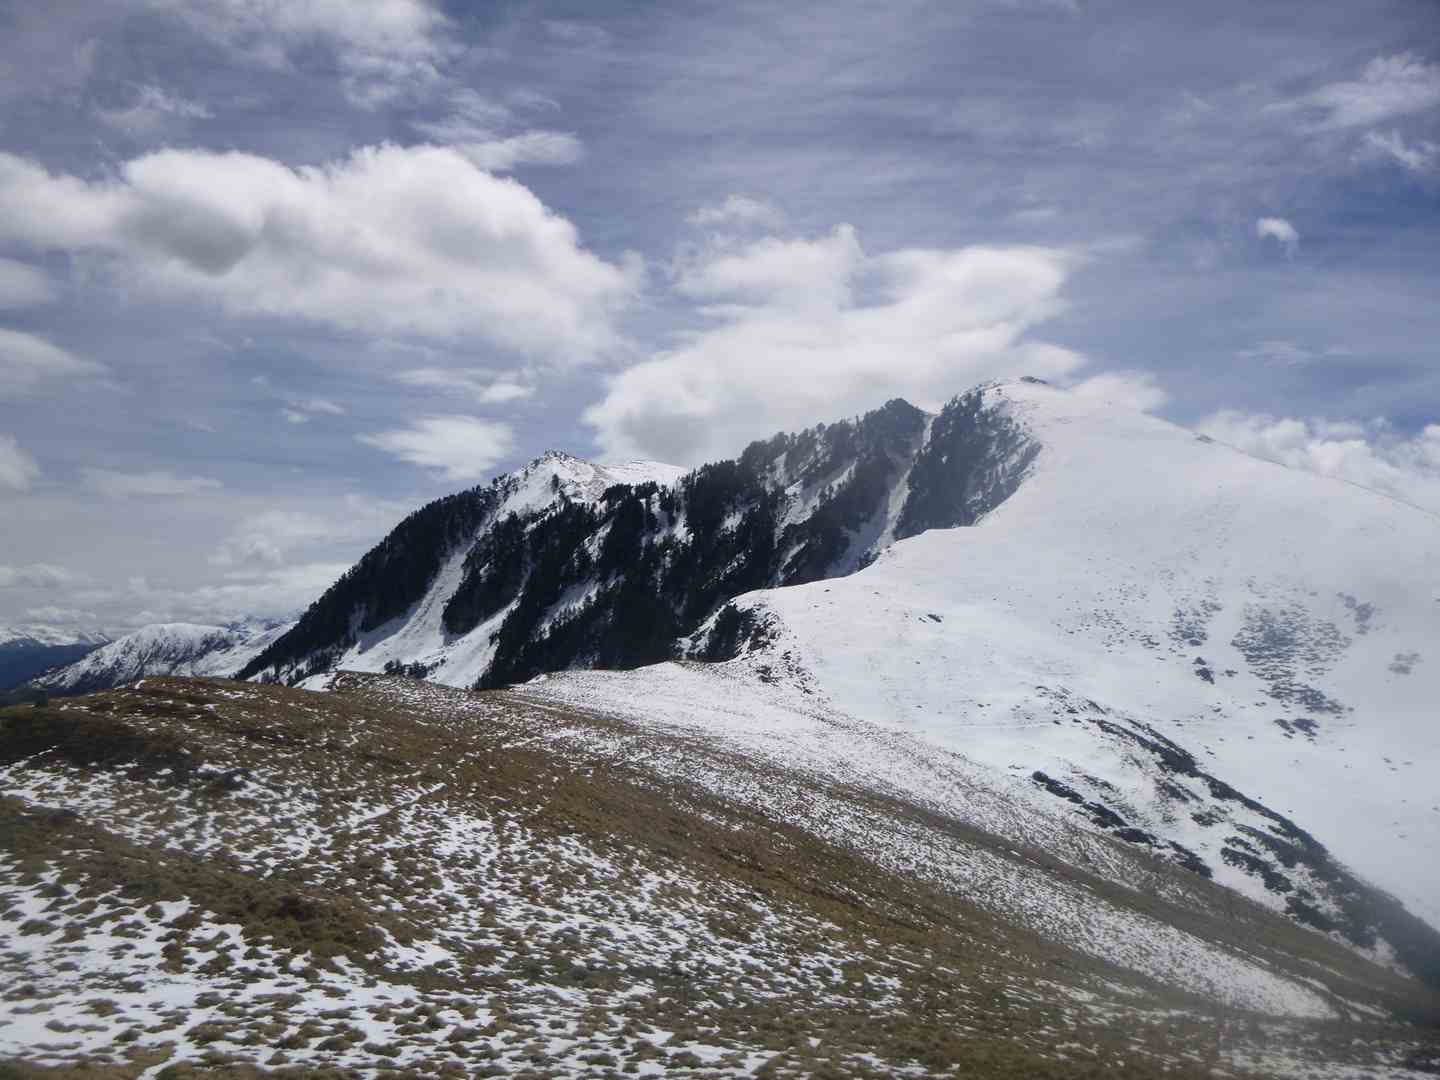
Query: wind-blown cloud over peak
x=811 y=329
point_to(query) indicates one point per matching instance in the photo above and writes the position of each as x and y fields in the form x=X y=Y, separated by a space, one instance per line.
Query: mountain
x=164 y=649
x=402 y=879
x=1130 y=629
x=26 y=651
x=566 y=564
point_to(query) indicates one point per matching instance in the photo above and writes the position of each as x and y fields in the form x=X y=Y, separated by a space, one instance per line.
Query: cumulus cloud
x=1421 y=156
x=159 y=483
x=35 y=576
x=804 y=330
x=741 y=210
x=17 y=468
x=1389 y=86
x=152 y=111
x=26 y=360
x=461 y=448
x=485 y=388
x=390 y=240
x=23 y=286
x=383 y=48
x=1368 y=454
x=1135 y=390
x=1281 y=231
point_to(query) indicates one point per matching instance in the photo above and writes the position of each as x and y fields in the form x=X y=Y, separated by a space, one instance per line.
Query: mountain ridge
x=620 y=576
x=163 y=649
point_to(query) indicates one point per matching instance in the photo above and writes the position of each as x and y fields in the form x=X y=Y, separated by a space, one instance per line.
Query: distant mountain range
x=163 y=649
x=27 y=651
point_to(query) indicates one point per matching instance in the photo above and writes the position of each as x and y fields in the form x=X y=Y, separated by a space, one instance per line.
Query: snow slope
x=1151 y=614
x=164 y=649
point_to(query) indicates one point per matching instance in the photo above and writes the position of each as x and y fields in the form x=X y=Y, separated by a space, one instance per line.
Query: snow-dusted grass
x=399 y=875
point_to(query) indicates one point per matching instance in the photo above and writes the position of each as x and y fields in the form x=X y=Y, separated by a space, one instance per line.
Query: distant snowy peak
x=164 y=649
x=35 y=634
x=27 y=651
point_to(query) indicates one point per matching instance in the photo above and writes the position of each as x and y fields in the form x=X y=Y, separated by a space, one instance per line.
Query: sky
x=274 y=273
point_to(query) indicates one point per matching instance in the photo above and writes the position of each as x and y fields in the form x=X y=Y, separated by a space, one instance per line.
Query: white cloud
x=1368 y=454
x=481 y=386
x=1421 y=156
x=1135 y=390
x=809 y=330
x=503 y=153
x=483 y=130
x=277 y=592
x=1281 y=231
x=577 y=35
x=297 y=409
x=158 y=483
x=462 y=448
x=153 y=110
x=17 y=468
x=23 y=286
x=1277 y=351
x=741 y=210
x=776 y=273
x=35 y=576
x=1389 y=86
x=383 y=48
x=270 y=538
x=390 y=240
x=26 y=360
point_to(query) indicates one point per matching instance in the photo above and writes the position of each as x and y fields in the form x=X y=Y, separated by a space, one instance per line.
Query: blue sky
x=272 y=274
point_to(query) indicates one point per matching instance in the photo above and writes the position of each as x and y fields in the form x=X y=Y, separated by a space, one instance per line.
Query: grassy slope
x=235 y=876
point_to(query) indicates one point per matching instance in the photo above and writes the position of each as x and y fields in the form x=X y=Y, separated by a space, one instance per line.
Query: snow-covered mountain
x=1145 y=634
x=566 y=564
x=164 y=649
x=26 y=651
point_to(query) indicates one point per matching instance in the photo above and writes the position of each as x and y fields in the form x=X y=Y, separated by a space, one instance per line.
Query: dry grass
x=207 y=792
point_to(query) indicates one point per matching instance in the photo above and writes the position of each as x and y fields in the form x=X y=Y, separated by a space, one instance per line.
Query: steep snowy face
x=164 y=649
x=1218 y=658
x=27 y=651
x=567 y=564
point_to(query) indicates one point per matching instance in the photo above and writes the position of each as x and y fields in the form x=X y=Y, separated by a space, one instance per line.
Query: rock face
x=163 y=649
x=567 y=564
